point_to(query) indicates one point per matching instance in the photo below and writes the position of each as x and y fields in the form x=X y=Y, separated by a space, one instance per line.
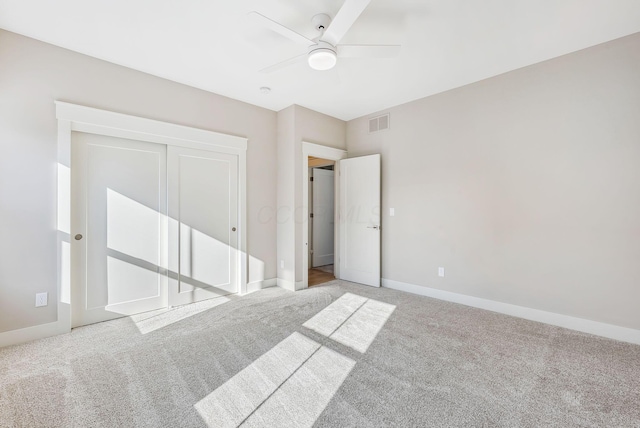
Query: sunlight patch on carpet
x=290 y=385
x=352 y=320
x=155 y=320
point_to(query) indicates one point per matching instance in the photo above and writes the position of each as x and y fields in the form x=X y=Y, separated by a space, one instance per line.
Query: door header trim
x=104 y=122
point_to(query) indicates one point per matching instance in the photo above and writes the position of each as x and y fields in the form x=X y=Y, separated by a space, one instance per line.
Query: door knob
x=373 y=227
x=233 y=229
x=78 y=237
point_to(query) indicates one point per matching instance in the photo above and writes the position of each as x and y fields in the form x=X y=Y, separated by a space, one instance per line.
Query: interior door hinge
x=311 y=215
x=310 y=178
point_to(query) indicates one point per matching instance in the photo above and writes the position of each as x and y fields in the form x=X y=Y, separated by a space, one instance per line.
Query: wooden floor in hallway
x=320 y=275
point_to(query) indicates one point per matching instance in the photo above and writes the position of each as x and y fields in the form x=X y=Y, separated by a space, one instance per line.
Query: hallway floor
x=320 y=275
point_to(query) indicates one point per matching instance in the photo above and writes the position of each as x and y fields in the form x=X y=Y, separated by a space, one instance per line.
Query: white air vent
x=379 y=123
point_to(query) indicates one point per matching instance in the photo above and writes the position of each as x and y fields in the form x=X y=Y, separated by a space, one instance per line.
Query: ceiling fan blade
x=285 y=63
x=280 y=29
x=368 y=51
x=346 y=16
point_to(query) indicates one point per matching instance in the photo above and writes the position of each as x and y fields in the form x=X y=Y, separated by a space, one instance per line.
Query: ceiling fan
x=323 y=51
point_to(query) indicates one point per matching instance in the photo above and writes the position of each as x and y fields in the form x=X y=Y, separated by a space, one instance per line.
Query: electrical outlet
x=441 y=272
x=41 y=299
x=282 y=264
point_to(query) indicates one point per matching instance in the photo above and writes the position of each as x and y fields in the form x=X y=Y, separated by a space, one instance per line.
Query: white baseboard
x=610 y=331
x=286 y=284
x=259 y=285
x=28 y=334
x=323 y=260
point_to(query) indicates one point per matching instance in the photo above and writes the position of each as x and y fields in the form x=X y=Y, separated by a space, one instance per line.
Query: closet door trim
x=73 y=117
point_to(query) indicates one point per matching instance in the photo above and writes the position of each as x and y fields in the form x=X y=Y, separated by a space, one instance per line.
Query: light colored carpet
x=334 y=355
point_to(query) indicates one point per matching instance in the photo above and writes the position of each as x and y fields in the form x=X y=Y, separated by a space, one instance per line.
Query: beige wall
x=286 y=198
x=34 y=74
x=318 y=128
x=296 y=125
x=525 y=187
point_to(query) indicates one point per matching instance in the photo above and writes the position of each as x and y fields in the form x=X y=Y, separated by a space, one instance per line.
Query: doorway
x=321 y=220
x=357 y=215
x=327 y=156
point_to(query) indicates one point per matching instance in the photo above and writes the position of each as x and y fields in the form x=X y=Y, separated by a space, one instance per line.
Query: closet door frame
x=73 y=117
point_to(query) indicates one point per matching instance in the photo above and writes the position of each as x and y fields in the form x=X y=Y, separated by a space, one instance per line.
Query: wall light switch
x=441 y=272
x=282 y=264
x=41 y=299
x=392 y=212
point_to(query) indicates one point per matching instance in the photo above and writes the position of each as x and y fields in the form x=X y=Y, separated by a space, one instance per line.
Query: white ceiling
x=212 y=45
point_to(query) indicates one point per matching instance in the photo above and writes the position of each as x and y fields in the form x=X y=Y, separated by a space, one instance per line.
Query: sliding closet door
x=119 y=232
x=203 y=222
x=152 y=226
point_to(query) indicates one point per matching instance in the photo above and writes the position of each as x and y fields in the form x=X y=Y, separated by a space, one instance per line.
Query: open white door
x=360 y=220
x=322 y=221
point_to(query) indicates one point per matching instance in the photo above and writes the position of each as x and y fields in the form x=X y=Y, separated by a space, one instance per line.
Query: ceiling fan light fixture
x=322 y=59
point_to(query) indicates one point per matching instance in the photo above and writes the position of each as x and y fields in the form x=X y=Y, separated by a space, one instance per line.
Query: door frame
x=330 y=153
x=73 y=117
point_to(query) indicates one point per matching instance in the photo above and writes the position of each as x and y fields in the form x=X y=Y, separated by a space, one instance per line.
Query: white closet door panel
x=203 y=192
x=121 y=190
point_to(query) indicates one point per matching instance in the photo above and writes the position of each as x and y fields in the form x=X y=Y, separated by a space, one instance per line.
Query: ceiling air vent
x=379 y=123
